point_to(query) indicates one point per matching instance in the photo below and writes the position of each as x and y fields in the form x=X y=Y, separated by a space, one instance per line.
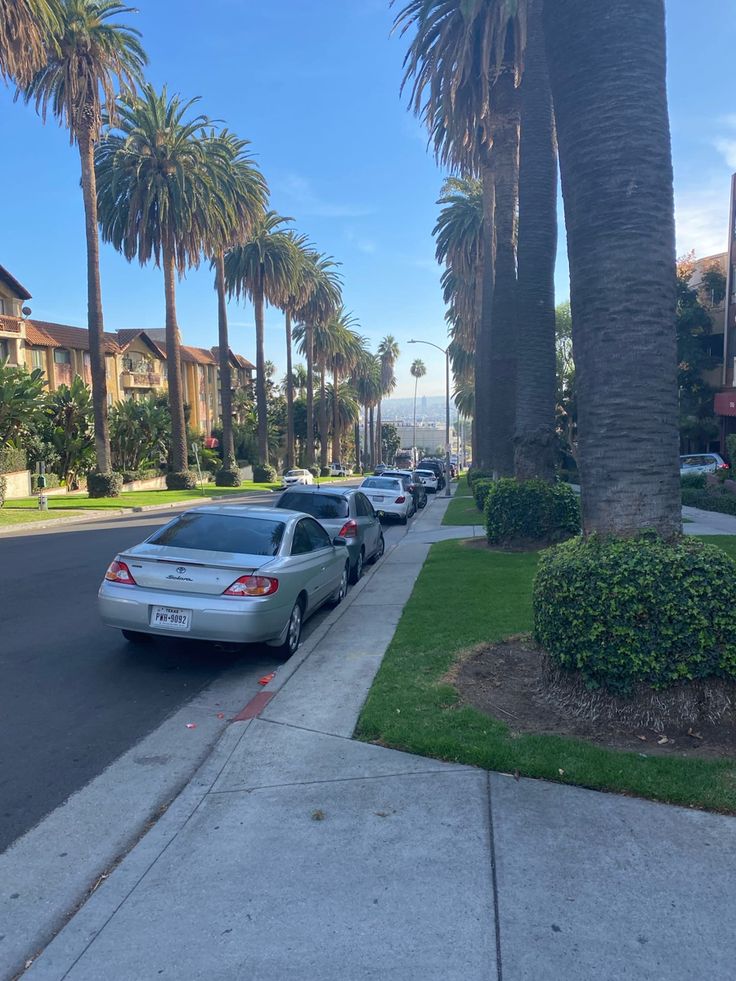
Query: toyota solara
x=226 y=574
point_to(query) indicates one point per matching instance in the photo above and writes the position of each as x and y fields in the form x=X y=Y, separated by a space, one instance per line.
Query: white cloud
x=727 y=148
x=701 y=214
x=307 y=201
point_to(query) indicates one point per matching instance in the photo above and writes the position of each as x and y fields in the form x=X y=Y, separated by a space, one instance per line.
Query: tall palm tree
x=535 y=441
x=347 y=354
x=621 y=241
x=323 y=289
x=418 y=370
x=262 y=268
x=365 y=380
x=297 y=295
x=388 y=355
x=463 y=65
x=239 y=203
x=95 y=57
x=158 y=182
x=28 y=30
x=344 y=410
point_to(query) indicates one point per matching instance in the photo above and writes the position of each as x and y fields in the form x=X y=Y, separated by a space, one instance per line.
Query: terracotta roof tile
x=38 y=337
x=75 y=337
x=197 y=355
x=125 y=337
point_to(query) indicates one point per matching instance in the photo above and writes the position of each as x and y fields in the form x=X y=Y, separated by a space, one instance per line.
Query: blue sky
x=315 y=86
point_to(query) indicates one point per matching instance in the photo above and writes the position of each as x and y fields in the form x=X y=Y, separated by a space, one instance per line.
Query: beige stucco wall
x=18 y=484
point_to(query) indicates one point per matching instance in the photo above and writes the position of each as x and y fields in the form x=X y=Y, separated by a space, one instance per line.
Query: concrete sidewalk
x=298 y=853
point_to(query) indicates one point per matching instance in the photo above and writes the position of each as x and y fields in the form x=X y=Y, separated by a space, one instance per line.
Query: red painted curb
x=255 y=706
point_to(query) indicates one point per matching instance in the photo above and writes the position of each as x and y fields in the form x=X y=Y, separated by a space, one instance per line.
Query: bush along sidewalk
x=528 y=513
x=415 y=704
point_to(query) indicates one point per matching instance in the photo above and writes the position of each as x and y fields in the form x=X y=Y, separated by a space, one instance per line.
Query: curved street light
x=446 y=352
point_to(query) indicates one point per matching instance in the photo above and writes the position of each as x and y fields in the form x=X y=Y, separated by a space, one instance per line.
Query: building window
x=4 y=350
x=4 y=308
x=38 y=358
x=62 y=357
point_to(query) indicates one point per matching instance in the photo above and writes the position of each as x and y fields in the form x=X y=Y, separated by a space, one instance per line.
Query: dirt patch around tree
x=515 y=683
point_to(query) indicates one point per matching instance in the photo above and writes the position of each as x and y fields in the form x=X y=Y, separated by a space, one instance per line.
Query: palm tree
x=297 y=295
x=299 y=380
x=262 y=268
x=365 y=380
x=28 y=30
x=95 y=57
x=347 y=347
x=535 y=440
x=465 y=58
x=323 y=290
x=418 y=370
x=158 y=183
x=240 y=203
x=620 y=242
x=388 y=355
x=344 y=410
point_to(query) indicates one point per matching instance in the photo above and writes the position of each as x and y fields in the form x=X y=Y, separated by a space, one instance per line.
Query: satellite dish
x=26 y=311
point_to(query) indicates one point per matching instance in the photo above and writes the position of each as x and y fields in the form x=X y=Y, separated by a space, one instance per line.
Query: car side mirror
x=338 y=540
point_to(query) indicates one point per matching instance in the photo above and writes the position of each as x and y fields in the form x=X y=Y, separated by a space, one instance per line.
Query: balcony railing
x=10 y=325
x=140 y=379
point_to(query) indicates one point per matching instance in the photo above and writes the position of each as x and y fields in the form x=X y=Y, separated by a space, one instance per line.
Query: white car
x=389 y=496
x=429 y=479
x=292 y=477
x=340 y=470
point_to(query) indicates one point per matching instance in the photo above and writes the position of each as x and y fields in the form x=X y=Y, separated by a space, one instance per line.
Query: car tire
x=342 y=590
x=357 y=572
x=293 y=634
x=404 y=520
x=136 y=637
x=381 y=548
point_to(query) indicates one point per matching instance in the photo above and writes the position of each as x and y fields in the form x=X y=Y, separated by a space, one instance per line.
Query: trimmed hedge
x=693 y=481
x=709 y=500
x=530 y=511
x=481 y=490
x=52 y=481
x=181 y=480
x=12 y=460
x=474 y=475
x=325 y=472
x=632 y=611
x=104 y=484
x=264 y=473
x=227 y=477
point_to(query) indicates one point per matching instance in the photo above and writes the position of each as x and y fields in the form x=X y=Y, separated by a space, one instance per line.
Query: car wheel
x=136 y=637
x=404 y=519
x=293 y=634
x=341 y=592
x=378 y=554
x=357 y=573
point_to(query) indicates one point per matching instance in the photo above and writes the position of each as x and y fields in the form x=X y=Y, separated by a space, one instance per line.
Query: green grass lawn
x=134 y=499
x=461 y=509
x=15 y=517
x=411 y=709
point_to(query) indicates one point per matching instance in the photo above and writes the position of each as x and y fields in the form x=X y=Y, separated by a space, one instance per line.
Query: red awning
x=725 y=403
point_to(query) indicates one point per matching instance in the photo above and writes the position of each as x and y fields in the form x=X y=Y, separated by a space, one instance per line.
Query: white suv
x=701 y=463
x=340 y=470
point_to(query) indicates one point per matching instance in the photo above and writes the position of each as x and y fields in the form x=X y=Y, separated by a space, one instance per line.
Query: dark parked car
x=378 y=469
x=344 y=512
x=438 y=467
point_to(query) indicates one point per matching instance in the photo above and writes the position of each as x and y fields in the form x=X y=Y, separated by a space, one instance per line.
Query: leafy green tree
x=93 y=58
x=262 y=268
x=158 y=181
x=390 y=440
x=567 y=410
x=140 y=432
x=70 y=421
x=28 y=29
x=21 y=402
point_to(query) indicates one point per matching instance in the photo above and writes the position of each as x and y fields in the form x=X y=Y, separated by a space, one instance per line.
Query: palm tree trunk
x=374 y=458
x=335 y=416
x=95 y=322
x=502 y=380
x=536 y=364
x=607 y=67
x=173 y=360
x=323 y=425
x=261 y=404
x=414 y=435
x=379 y=441
x=482 y=449
x=226 y=394
x=309 y=338
x=289 y=398
x=366 y=444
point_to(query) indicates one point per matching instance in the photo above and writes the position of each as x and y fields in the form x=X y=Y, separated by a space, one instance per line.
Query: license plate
x=377 y=498
x=171 y=618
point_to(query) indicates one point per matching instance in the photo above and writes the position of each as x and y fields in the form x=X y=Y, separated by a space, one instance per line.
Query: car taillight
x=119 y=572
x=400 y=500
x=349 y=529
x=723 y=466
x=252 y=586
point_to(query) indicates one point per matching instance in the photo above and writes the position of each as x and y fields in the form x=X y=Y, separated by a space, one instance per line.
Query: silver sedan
x=226 y=574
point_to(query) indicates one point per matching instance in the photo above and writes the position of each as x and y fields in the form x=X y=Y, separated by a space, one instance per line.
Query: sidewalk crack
x=494 y=880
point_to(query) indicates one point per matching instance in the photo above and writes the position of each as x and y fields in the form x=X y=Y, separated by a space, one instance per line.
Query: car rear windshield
x=222 y=533
x=425 y=473
x=318 y=505
x=381 y=483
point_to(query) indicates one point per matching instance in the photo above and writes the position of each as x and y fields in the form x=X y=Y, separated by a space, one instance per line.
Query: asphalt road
x=74 y=695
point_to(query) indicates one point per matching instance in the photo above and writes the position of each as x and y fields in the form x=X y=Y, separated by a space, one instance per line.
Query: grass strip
x=12 y=517
x=411 y=708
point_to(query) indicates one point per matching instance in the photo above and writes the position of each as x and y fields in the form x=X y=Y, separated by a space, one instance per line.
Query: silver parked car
x=701 y=463
x=343 y=512
x=389 y=496
x=226 y=574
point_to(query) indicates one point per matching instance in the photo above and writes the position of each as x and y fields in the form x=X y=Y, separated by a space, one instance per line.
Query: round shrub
x=527 y=512
x=633 y=611
x=481 y=490
x=693 y=481
x=227 y=477
x=478 y=474
x=324 y=472
x=104 y=484
x=264 y=473
x=314 y=471
x=181 y=480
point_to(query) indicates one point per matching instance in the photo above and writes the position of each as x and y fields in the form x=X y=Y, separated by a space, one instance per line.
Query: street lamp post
x=446 y=352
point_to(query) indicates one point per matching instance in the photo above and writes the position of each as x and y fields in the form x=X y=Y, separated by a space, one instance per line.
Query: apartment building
x=135 y=360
